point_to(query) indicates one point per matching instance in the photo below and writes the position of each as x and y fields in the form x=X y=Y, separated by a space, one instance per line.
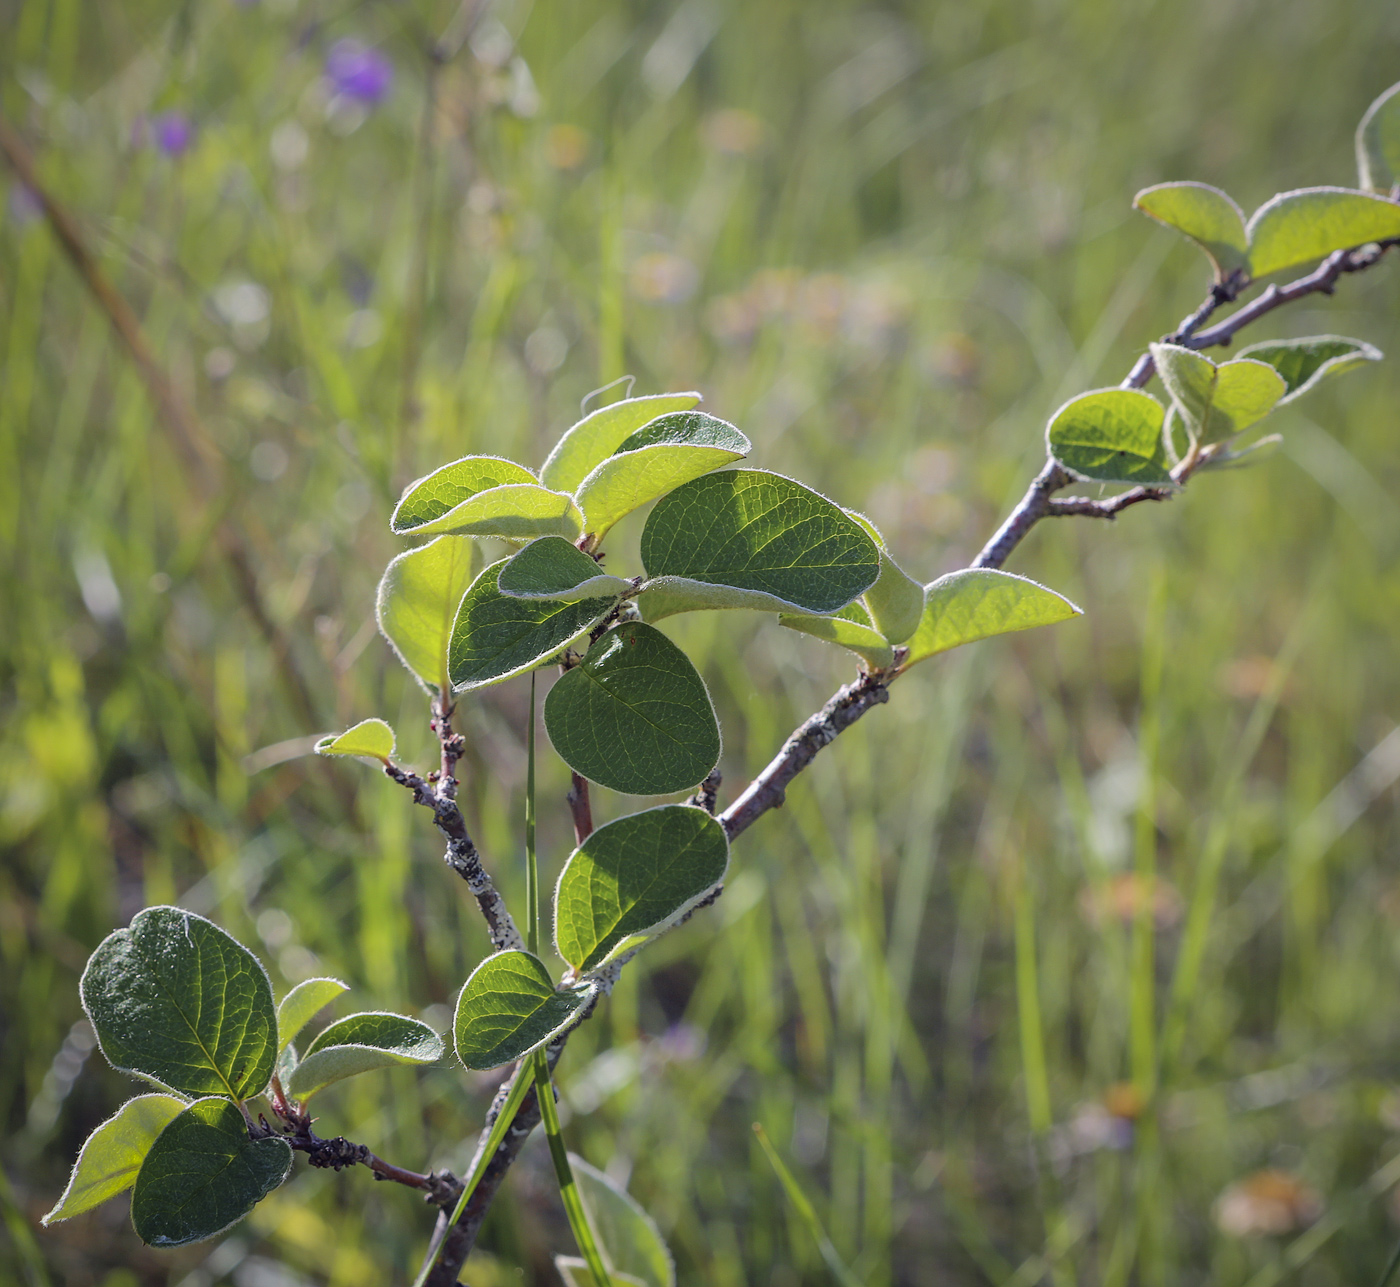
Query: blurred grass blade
x=805 y=1211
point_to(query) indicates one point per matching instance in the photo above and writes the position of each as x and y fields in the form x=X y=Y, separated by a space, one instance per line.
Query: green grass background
x=886 y=242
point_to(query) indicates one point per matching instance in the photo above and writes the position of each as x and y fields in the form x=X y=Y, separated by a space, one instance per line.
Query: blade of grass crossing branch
x=806 y=1212
x=568 y=1190
x=519 y=1089
x=532 y=871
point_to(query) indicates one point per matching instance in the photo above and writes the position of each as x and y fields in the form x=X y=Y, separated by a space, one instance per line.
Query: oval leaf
x=896 y=600
x=372 y=739
x=628 y=1238
x=599 y=434
x=1205 y=214
x=865 y=641
x=417 y=600
x=1217 y=402
x=509 y=1008
x=977 y=603
x=634 y=715
x=204 y=1174
x=302 y=1004
x=1295 y=227
x=746 y=538
x=553 y=568
x=1112 y=436
x=113 y=1154
x=360 y=1043
x=1378 y=143
x=436 y=495
x=1305 y=363
x=657 y=459
x=634 y=876
x=496 y=636
x=179 y=1002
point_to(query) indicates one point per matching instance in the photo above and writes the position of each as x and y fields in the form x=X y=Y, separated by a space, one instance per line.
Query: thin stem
x=532 y=871
x=440 y=1187
x=568 y=1190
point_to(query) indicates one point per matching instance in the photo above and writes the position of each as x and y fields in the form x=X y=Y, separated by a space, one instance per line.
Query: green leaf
x=484 y=496
x=866 y=642
x=417 y=600
x=203 y=1174
x=371 y=739
x=1217 y=402
x=287 y=1061
x=599 y=434
x=1305 y=363
x=179 y=1002
x=302 y=1004
x=977 y=603
x=1244 y=456
x=657 y=459
x=633 y=877
x=896 y=600
x=360 y=1043
x=553 y=568
x=509 y=1008
x=1295 y=227
x=1378 y=143
x=631 y=1243
x=496 y=636
x=1205 y=214
x=113 y=1153
x=634 y=714
x=1112 y=436
x=746 y=538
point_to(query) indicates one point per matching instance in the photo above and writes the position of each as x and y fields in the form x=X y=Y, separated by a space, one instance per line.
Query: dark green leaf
x=1378 y=143
x=496 y=636
x=204 y=1174
x=417 y=600
x=509 y=1007
x=977 y=603
x=1206 y=215
x=657 y=459
x=360 y=1043
x=746 y=538
x=113 y=1154
x=553 y=568
x=177 y=1001
x=1305 y=363
x=370 y=739
x=634 y=876
x=1217 y=402
x=303 y=1003
x=599 y=434
x=1295 y=227
x=634 y=715
x=1112 y=436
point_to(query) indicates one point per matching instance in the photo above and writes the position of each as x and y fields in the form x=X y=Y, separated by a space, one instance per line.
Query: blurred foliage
x=886 y=242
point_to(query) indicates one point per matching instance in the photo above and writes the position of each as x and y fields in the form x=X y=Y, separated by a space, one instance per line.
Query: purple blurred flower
x=25 y=206
x=172 y=132
x=359 y=71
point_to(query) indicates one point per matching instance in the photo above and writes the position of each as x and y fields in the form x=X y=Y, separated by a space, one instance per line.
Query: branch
x=441 y=1188
x=438 y=792
x=768 y=790
x=581 y=806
